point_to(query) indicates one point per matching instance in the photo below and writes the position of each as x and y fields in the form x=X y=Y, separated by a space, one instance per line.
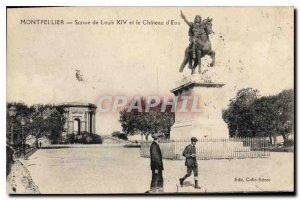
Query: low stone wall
x=9 y=159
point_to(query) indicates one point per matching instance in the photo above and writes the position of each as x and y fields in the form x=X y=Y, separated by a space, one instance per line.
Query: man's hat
x=157 y=135
x=193 y=139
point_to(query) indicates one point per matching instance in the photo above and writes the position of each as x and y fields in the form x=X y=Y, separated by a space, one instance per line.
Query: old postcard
x=150 y=100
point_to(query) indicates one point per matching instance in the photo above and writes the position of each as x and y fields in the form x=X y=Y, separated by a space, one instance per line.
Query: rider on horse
x=195 y=31
x=199 y=42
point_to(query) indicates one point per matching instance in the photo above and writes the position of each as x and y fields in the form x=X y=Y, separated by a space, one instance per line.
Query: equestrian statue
x=200 y=45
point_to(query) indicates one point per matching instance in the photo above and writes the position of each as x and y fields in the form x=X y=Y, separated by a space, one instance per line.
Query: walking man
x=191 y=162
x=156 y=165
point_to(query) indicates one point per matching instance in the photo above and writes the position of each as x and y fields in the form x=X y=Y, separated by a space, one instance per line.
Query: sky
x=254 y=48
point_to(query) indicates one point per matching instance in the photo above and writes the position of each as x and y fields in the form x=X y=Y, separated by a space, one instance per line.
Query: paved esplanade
x=100 y=169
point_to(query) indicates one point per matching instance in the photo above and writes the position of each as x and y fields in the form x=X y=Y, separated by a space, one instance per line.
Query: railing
x=212 y=148
x=28 y=152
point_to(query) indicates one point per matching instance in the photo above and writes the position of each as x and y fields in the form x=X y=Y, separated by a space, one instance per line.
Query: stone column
x=94 y=122
x=70 y=127
x=82 y=125
x=66 y=115
x=90 y=121
x=87 y=121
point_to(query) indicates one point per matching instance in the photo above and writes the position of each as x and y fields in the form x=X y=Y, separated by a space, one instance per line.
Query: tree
x=249 y=115
x=266 y=117
x=41 y=120
x=238 y=115
x=47 y=120
x=147 y=123
x=285 y=114
x=22 y=111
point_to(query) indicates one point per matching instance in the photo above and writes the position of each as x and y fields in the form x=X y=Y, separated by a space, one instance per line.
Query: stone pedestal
x=207 y=123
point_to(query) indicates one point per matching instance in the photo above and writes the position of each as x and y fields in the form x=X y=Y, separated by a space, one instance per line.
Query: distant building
x=79 y=117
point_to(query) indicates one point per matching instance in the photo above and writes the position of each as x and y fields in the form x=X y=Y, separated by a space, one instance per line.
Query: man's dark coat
x=156 y=157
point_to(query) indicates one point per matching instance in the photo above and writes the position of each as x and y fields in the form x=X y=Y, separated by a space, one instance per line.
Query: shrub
x=89 y=138
x=83 y=138
x=288 y=143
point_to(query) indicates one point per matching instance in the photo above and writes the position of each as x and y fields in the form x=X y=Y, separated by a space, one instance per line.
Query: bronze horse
x=203 y=47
